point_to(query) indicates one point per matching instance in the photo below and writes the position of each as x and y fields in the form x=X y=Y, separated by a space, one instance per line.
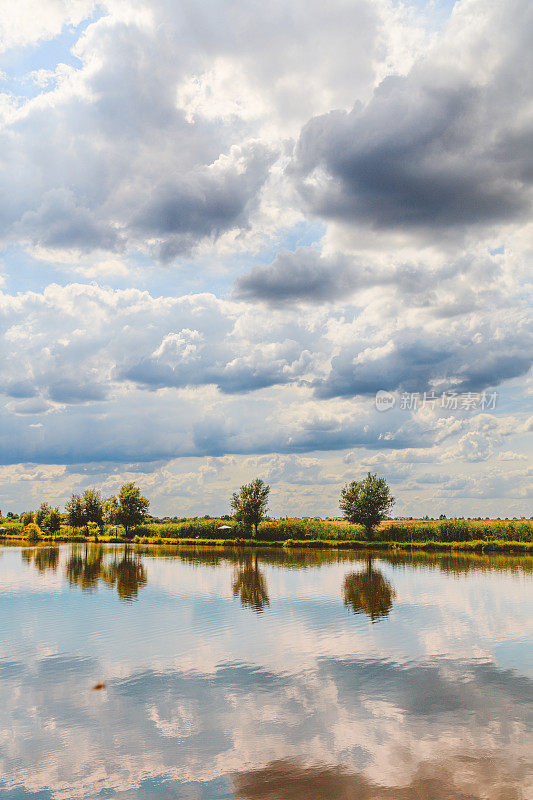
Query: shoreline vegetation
x=366 y=524
x=514 y=537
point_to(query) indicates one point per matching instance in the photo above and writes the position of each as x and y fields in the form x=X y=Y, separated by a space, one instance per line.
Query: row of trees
x=90 y=511
x=366 y=502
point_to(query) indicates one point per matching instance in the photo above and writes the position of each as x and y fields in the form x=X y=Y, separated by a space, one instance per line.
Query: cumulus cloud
x=148 y=140
x=59 y=223
x=301 y=275
x=462 y=362
x=186 y=157
x=25 y=23
x=78 y=342
x=434 y=149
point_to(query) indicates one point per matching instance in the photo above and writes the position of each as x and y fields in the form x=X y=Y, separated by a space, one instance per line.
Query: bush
x=32 y=532
x=458 y=530
x=268 y=530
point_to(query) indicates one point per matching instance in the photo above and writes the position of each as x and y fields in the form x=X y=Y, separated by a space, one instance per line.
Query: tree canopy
x=75 y=511
x=366 y=502
x=93 y=506
x=249 y=504
x=129 y=509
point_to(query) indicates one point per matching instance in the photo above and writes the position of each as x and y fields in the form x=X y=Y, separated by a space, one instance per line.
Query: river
x=146 y=673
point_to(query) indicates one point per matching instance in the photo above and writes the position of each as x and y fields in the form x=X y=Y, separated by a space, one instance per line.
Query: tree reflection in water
x=43 y=558
x=249 y=584
x=84 y=567
x=482 y=776
x=368 y=592
x=87 y=567
x=128 y=575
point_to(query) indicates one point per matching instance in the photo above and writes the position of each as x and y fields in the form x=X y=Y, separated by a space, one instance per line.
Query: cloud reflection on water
x=283 y=710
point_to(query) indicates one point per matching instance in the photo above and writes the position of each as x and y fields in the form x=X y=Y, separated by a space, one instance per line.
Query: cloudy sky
x=225 y=227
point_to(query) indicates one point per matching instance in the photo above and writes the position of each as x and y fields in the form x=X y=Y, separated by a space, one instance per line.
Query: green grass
x=498 y=536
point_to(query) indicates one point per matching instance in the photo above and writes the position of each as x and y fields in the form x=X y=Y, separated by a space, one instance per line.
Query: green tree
x=93 y=530
x=42 y=512
x=52 y=522
x=75 y=511
x=26 y=518
x=111 y=510
x=249 y=504
x=130 y=508
x=366 y=502
x=93 y=507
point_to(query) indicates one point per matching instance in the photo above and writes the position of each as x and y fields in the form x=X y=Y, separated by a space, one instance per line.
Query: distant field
x=430 y=522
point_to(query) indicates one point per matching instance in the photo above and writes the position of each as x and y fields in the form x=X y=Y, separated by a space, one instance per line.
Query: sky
x=224 y=228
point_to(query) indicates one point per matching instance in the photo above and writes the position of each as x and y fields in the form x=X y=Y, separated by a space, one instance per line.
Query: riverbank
x=477 y=546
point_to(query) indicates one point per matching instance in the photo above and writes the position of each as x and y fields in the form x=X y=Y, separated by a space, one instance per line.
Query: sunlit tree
x=75 y=511
x=93 y=507
x=52 y=521
x=249 y=504
x=366 y=502
x=41 y=513
x=129 y=509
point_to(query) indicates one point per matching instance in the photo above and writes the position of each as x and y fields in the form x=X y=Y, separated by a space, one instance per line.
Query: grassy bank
x=479 y=546
x=497 y=536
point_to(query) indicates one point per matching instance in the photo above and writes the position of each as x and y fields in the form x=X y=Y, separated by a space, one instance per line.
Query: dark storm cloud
x=431 y=150
x=72 y=391
x=203 y=203
x=412 y=365
x=301 y=276
x=307 y=276
x=59 y=222
x=229 y=378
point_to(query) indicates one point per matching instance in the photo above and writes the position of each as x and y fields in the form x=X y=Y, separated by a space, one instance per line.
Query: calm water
x=276 y=676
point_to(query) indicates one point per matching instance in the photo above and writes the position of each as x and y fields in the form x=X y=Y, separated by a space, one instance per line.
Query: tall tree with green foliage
x=42 y=512
x=366 y=502
x=249 y=504
x=111 y=510
x=52 y=522
x=75 y=511
x=129 y=509
x=93 y=507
